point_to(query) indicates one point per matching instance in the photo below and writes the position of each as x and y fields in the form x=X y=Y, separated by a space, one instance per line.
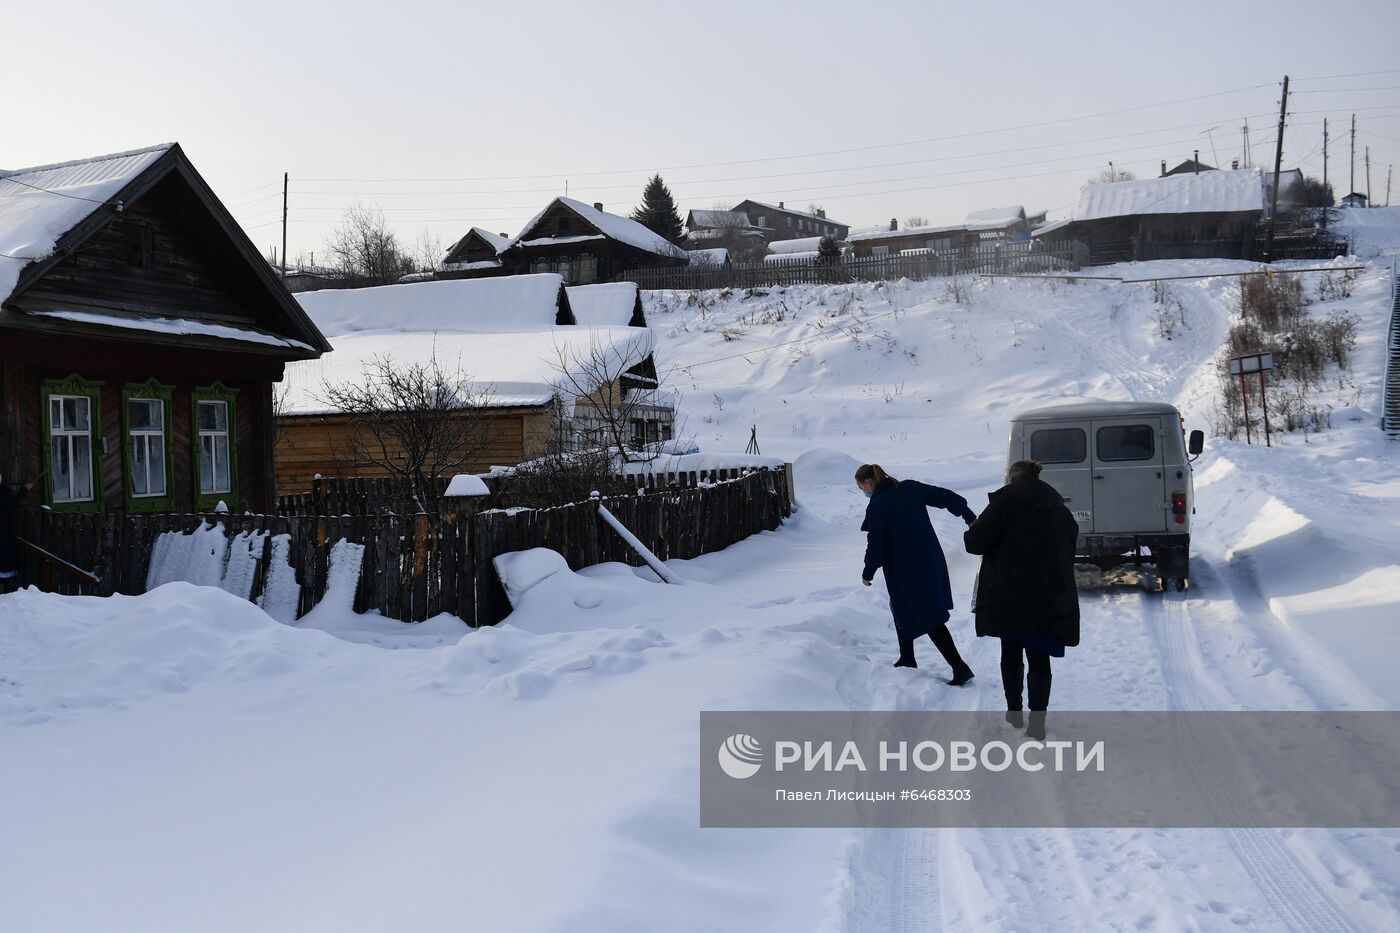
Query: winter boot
x=1013 y=673
x=906 y=662
x=1035 y=726
x=1015 y=719
x=1038 y=688
x=961 y=675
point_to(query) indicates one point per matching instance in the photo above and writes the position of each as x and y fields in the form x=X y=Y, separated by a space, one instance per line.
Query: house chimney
x=598 y=206
x=1164 y=168
x=1195 y=161
x=821 y=212
x=894 y=224
x=780 y=206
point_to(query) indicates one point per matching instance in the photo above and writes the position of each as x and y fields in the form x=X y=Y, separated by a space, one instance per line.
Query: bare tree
x=613 y=384
x=1111 y=175
x=365 y=251
x=733 y=232
x=428 y=251
x=917 y=220
x=415 y=421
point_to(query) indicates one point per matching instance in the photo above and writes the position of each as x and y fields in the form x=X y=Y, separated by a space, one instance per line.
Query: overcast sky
x=449 y=114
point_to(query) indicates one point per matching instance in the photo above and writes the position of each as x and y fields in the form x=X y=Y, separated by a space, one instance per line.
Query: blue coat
x=900 y=539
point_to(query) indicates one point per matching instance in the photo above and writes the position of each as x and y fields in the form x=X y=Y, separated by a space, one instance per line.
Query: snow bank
x=501 y=304
x=825 y=467
x=610 y=304
x=466 y=484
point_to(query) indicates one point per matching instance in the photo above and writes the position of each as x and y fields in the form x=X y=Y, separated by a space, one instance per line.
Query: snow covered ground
x=181 y=761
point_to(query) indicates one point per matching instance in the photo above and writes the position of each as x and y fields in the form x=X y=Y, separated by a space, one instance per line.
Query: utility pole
x=1387 y=184
x=1247 y=156
x=1324 y=169
x=1278 y=167
x=1368 y=176
x=1352 y=184
x=284 y=224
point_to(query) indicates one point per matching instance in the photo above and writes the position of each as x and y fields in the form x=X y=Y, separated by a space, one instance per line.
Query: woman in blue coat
x=900 y=539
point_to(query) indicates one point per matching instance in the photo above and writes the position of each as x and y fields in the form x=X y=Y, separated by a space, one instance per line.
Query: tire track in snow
x=1300 y=902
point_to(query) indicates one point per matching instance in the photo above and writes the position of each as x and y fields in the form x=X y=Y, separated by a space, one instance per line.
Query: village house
x=1355 y=199
x=141 y=335
x=476 y=254
x=1184 y=216
x=979 y=228
x=584 y=244
x=520 y=342
x=779 y=222
x=731 y=230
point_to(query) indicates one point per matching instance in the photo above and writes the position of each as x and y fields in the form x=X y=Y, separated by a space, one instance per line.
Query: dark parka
x=10 y=503
x=900 y=539
x=1026 y=538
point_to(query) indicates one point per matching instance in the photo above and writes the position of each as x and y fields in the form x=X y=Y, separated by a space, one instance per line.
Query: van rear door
x=1062 y=448
x=1128 y=488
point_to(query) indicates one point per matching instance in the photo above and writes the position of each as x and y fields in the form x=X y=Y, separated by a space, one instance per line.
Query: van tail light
x=1179 y=507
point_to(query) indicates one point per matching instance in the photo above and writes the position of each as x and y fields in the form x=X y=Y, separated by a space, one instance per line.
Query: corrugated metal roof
x=1207 y=193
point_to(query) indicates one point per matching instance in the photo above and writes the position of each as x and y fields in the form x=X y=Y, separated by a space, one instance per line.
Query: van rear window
x=1126 y=442
x=1058 y=445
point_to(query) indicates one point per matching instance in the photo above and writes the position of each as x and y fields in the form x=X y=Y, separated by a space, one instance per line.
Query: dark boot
x=1038 y=688
x=1013 y=673
x=1035 y=727
x=1015 y=718
x=943 y=640
x=961 y=675
x=906 y=653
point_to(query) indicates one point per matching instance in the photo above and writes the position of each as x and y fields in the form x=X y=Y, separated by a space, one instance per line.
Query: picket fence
x=414 y=566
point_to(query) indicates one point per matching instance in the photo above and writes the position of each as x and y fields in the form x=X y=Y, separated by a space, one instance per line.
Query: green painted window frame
x=151 y=389
x=73 y=385
x=218 y=392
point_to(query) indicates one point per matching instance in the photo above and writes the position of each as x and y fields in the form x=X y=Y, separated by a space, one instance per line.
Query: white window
x=146 y=425
x=70 y=447
x=214 y=470
x=762 y=221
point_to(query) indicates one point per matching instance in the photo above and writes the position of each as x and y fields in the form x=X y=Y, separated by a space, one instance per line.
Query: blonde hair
x=872 y=472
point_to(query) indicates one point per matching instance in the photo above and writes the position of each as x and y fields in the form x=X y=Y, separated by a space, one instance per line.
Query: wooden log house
x=141 y=335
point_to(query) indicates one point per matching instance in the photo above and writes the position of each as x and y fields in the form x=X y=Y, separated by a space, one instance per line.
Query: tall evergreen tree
x=658 y=210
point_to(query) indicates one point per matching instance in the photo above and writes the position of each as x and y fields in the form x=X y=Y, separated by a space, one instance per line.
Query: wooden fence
x=418 y=565
x=993 y=259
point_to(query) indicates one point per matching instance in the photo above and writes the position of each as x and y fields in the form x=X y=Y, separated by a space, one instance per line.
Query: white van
x=1124 y=469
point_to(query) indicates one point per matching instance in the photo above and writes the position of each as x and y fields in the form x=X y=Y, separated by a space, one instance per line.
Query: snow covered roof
x=622 y=229
x=795 y=213
x=508 y=369
x=806 y=255
x=717 y=219
x=1050 y=227
x=709 y=257
x=995 y=218
x=610 y=304
x=167 y=325
x=497 y=240
x=807 y=244
x=884 y=234
x=504 y=303
x=470 y=266
x=1075 y=411
x=39 y=205
x=1222 y=192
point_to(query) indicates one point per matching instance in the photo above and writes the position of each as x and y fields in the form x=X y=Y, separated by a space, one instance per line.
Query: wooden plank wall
x=417 y=565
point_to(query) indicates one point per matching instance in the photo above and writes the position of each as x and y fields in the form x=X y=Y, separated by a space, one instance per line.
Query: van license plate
x=1083 y=516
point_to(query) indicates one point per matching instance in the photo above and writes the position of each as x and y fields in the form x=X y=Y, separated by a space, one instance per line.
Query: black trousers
x=1013 y=674
x=942 y=640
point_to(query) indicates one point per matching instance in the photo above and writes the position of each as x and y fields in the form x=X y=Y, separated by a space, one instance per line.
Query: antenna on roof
x=566 y=187
x=1210 y=134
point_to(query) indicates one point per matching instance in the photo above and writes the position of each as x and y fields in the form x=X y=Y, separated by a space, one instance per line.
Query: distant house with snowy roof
x=1355 y=199
x=141 y=335
x=520 y=343
x=728 y=230
x=1184 y=216
x=476 y=254
x=780 y=222
x=584 y=244
x=978 y=228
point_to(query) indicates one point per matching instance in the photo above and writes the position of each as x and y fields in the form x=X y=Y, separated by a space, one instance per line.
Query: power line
x=808 y=155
